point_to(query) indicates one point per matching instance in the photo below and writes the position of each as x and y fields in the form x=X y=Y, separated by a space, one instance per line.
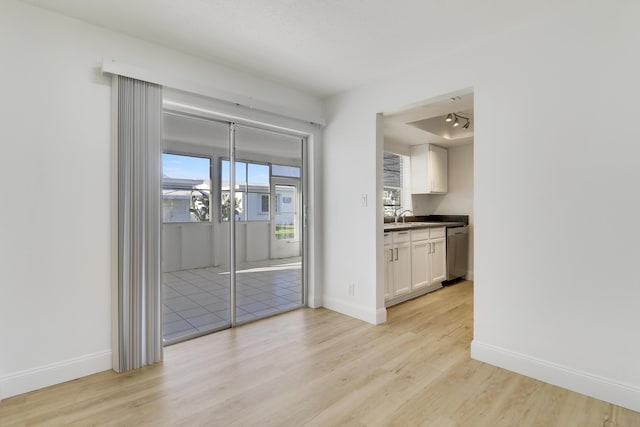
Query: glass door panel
x=195 y=255
x=268 y=279
x=285 y=239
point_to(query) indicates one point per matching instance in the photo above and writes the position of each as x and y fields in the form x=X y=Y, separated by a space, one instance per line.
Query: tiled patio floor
x=197 y=301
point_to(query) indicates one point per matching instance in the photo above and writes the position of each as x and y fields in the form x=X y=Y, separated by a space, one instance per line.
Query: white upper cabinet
x=428 y=169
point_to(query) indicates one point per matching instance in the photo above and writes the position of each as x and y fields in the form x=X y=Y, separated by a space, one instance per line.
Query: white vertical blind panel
x=139 y=210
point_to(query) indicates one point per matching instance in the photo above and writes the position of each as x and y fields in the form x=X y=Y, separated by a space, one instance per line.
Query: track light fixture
x=455 y=118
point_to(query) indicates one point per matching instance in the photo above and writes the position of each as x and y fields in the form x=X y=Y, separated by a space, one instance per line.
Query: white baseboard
x=469 y=275
x=55 y=373
x=611 y=391
x=374 y=317
x=411 y=295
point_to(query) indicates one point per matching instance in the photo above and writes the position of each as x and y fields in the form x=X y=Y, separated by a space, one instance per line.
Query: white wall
x=459 y=198
x=556 y=177
x=200 y=245
x=55 y=261
x=350 y=243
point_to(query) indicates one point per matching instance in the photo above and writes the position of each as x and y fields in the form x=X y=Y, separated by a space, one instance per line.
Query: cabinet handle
x=396 y=254
x=403 y=232
x=391 y=250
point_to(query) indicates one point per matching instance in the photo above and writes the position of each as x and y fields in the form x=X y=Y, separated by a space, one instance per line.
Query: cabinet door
x=419 y=169
x=388 y=271
x=437 y=169
x=438 y=260
x=402 y=268
x=420 y=271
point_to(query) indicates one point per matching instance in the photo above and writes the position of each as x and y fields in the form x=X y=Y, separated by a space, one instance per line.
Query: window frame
x=246 y=192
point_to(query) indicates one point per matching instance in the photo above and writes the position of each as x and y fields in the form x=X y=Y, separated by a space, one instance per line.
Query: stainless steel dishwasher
x=457 y=252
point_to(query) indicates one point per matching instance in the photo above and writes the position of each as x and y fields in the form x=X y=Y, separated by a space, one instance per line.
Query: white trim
x=602 y=388
x=358 y=311
x=117 y=68
x=469 y=275
x=54 y=373
x=411 y=295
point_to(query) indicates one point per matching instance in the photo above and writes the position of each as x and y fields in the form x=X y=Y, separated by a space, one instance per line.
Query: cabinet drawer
x=417 y=235
x=401 y=236
x=437 y=232
x=387 y=239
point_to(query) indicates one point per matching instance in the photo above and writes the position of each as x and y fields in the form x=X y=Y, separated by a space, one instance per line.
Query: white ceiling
x=321 y=47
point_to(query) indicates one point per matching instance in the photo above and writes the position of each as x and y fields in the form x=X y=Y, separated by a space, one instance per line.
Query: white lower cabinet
x=398 y=263
x=420 y=264
x=402 y=269
x=415 y=262
x=439 y=260
x=388 y=271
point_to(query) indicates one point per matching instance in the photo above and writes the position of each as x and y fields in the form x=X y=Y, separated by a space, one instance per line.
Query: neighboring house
x=182 y=197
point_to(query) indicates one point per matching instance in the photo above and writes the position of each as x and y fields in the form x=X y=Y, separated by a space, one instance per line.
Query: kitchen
x=428 y=197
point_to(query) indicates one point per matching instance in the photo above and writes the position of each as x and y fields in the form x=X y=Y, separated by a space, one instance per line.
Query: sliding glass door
x=268 y=233
x=233 y=229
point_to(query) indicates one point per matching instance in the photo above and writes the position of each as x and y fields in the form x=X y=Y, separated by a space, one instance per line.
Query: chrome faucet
x=401 y=215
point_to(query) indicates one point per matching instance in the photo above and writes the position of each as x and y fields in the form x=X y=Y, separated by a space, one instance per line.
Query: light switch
x=363 y=200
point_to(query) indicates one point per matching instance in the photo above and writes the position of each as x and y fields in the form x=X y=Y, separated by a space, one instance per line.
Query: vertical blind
x=139 y=221
x=392 y=168
x=392 y=183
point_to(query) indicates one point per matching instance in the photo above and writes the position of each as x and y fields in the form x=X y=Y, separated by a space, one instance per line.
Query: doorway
x=285 y=228
x=233 y=234
x=448 y=123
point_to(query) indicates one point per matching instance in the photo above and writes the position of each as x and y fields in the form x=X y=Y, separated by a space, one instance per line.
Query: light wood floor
x=319 y=368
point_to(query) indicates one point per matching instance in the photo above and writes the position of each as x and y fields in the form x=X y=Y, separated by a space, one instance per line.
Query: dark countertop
x=427 y=221
x=417 y=225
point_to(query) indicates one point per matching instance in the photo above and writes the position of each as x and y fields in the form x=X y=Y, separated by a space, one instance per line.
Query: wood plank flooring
x=319 y=368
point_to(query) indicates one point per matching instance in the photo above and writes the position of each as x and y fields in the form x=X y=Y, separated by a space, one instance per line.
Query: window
x=288 y=171
x=252 y=187
x=186 y=188
x=396 y=194
x=264 y=204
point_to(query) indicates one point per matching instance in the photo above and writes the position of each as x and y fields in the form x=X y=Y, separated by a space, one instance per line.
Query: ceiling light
x=455 y=118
